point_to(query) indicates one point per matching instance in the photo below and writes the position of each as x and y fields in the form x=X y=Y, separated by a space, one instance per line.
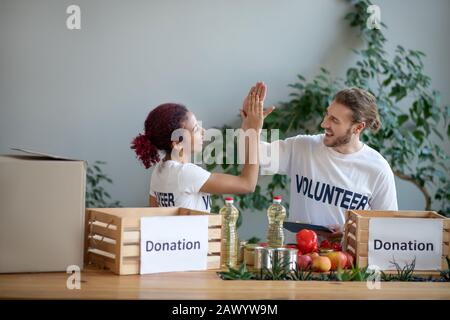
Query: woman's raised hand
x=259 y=89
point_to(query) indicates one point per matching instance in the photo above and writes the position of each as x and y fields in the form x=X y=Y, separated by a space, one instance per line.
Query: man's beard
x=339 y=141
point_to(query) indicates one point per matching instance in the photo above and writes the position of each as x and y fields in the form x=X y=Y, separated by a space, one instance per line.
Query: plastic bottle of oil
x=230 y=242
x=276 y=213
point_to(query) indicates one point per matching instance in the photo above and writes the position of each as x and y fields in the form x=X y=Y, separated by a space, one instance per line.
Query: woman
x=175 y=181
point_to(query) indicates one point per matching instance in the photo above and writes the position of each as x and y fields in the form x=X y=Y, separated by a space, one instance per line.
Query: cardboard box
x=42 y=205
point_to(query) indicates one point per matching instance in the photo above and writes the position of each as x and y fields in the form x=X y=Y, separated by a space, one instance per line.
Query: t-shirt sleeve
x=192 y=178
x=275 y=157
x=152 y=188
x=385 y=195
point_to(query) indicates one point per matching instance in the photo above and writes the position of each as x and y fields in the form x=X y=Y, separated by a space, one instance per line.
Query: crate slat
x=131 y=237
x=128 y=268
x=131 y=250
x=352 y=242
x=102 y=245
x=102 y=261
x=102 y=217
x=214 y=247
x=213 y=262
x=447 y=224
x=351 y=250
x=445 y=249
x=109 y=233
x=214 y=234
x=214 y=220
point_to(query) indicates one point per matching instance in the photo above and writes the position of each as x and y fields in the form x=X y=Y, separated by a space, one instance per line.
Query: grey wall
x=86 y=93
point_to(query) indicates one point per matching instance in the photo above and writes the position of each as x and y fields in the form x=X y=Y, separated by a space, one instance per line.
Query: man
x=335 y=171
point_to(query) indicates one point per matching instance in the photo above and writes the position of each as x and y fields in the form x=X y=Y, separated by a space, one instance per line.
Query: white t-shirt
x=176 y=184
x=326 y=183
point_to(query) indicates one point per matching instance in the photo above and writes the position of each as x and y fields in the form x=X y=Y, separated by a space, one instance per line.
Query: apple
x=312 y=254
x=304 y=262
x=321 y=264
x=337 y=259
x=349 y=260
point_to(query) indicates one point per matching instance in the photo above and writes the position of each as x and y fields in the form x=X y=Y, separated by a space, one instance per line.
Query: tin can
x=263 y=258
x=242 y=245
x=266 y=258
x=287 y=257
x=249 y=254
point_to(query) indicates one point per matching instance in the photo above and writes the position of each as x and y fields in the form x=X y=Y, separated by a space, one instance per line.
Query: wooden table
x=203 y=285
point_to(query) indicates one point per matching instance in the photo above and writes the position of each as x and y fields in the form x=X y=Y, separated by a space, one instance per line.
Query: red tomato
x=306 y=241
x=325 y=244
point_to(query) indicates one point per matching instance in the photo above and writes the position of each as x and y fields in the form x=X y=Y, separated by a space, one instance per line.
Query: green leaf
x=398 y=91
x=418 y=135
x=401 y=119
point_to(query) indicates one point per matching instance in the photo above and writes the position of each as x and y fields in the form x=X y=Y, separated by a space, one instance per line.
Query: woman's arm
x=220 y=183
x=152 y=201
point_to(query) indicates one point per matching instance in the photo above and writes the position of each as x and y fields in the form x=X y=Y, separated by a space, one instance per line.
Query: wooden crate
x=356 y=233
x=112 y=237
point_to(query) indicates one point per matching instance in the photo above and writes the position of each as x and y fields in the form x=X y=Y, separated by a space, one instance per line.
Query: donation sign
x=404 y=239
x=174 y=243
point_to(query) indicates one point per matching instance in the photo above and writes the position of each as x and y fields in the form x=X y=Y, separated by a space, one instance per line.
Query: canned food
x=287 y=257
x=242 y=245
x=268 y=257
x=249 y=253
x=263 y=258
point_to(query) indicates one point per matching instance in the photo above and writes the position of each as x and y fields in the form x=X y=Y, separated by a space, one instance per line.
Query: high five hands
x=257 y=94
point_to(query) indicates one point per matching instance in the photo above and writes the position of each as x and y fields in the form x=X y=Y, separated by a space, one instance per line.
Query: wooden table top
x=203 y=285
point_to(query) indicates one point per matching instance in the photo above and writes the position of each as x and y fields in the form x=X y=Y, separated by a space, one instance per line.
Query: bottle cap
x=229 y=200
